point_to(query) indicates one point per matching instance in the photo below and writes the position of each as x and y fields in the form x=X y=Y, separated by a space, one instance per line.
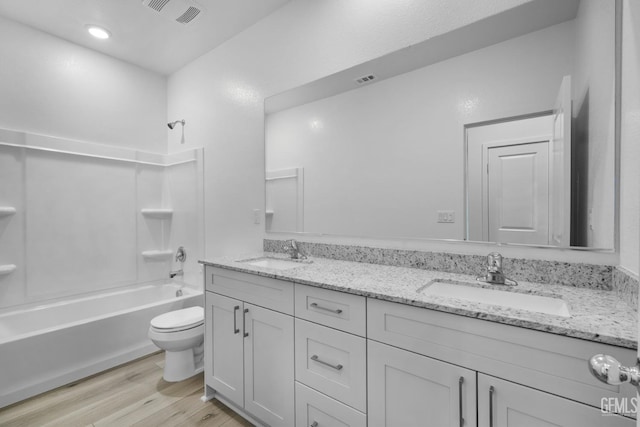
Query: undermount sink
x=517 y=300
x=275 y=263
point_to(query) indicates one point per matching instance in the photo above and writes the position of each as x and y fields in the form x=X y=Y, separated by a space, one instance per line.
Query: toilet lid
x=184 y=318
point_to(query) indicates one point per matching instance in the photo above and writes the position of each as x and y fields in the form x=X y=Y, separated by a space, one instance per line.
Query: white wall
x=382 y=159
x=594 y=118
x=51 y=87
x=221 y=94
x=630 y=140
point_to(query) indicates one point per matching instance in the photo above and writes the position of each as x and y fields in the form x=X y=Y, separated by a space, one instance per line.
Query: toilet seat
x=179 y=320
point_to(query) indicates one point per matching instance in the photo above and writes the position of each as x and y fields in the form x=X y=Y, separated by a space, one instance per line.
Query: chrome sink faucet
x=291 y=247
x=494 y=274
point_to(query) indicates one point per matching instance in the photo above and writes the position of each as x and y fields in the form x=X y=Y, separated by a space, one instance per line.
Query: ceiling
x=140 y=35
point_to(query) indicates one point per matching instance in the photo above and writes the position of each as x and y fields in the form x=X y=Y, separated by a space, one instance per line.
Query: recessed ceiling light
x=98 y=32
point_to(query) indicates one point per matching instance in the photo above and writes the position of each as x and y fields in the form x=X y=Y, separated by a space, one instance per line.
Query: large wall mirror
x=501 y=131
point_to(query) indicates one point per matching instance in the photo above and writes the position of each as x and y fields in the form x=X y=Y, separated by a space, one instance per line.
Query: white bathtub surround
x=7 y=269
x=88 y=217
x=46 y=346
x=582 y=275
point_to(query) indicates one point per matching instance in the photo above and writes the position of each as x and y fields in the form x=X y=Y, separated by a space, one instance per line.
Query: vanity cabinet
x=408 y=389
x=285 y=354
x=525 y=377
x=249 y=356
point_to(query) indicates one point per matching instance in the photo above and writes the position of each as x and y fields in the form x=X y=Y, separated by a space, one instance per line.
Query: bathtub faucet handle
x=181 y=254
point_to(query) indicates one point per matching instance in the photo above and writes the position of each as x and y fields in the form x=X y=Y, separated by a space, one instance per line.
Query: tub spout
x=175 y=273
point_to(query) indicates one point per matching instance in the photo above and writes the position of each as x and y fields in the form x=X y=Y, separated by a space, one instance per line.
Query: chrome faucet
x=175 y=273
x=291 y=247
x=494 y=271
x=181 y=256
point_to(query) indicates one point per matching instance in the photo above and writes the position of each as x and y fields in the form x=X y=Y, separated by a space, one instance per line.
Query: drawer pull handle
x=460 y=382
x=315 y=358
x=244 y=323
x=491 y=391
x=314 y=424
x=319 y=307
x=235 y=324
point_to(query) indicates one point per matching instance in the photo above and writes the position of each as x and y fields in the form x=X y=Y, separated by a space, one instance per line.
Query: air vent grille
x=366 y=79
x=189 y=15
x=157 y=5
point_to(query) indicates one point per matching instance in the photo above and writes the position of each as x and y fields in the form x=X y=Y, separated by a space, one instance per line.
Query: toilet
x=180 y=334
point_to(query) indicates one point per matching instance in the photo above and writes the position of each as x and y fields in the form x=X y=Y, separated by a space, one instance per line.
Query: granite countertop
x=595 y=315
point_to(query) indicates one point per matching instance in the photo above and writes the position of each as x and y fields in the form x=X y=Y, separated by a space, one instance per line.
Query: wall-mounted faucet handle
x=181 y=254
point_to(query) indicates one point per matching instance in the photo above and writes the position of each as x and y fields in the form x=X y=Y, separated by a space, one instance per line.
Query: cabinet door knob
x=608 y=370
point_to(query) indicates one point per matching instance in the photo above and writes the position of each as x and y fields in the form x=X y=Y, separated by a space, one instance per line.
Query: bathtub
x=46 y=346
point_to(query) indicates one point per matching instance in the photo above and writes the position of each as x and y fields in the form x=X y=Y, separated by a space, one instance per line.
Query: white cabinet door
x=506 y=404
x=224 y=347
x=409 y=390
x=269 y=366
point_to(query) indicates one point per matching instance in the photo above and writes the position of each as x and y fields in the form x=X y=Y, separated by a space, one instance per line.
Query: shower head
x=173 y=124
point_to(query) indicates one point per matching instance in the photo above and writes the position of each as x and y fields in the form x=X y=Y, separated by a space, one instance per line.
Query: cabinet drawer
x=313 y=407
x=332 y=362
x=262 y=291
x=338 y=310
x=541 y=360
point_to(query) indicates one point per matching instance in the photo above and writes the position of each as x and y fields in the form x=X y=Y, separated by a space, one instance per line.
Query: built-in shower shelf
x=157 y=255
x=157 y=213
x=7 y=269
x=7 y=210
x=268 y=212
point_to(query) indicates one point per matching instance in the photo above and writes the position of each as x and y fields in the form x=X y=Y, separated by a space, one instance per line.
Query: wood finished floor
x=130 y=395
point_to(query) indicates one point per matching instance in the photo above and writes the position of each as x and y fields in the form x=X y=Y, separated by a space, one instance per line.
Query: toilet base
x=180 y=365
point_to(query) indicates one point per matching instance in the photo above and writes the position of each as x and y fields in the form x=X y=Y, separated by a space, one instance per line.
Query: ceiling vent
x=181 y=11
x=366 y=79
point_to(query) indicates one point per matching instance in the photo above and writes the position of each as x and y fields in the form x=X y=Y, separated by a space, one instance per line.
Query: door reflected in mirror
x=439 y=141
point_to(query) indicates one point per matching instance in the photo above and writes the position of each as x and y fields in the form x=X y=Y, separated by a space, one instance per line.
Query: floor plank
x=132 y=394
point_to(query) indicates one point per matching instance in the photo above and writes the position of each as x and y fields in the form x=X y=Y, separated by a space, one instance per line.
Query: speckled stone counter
x=595 y=315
